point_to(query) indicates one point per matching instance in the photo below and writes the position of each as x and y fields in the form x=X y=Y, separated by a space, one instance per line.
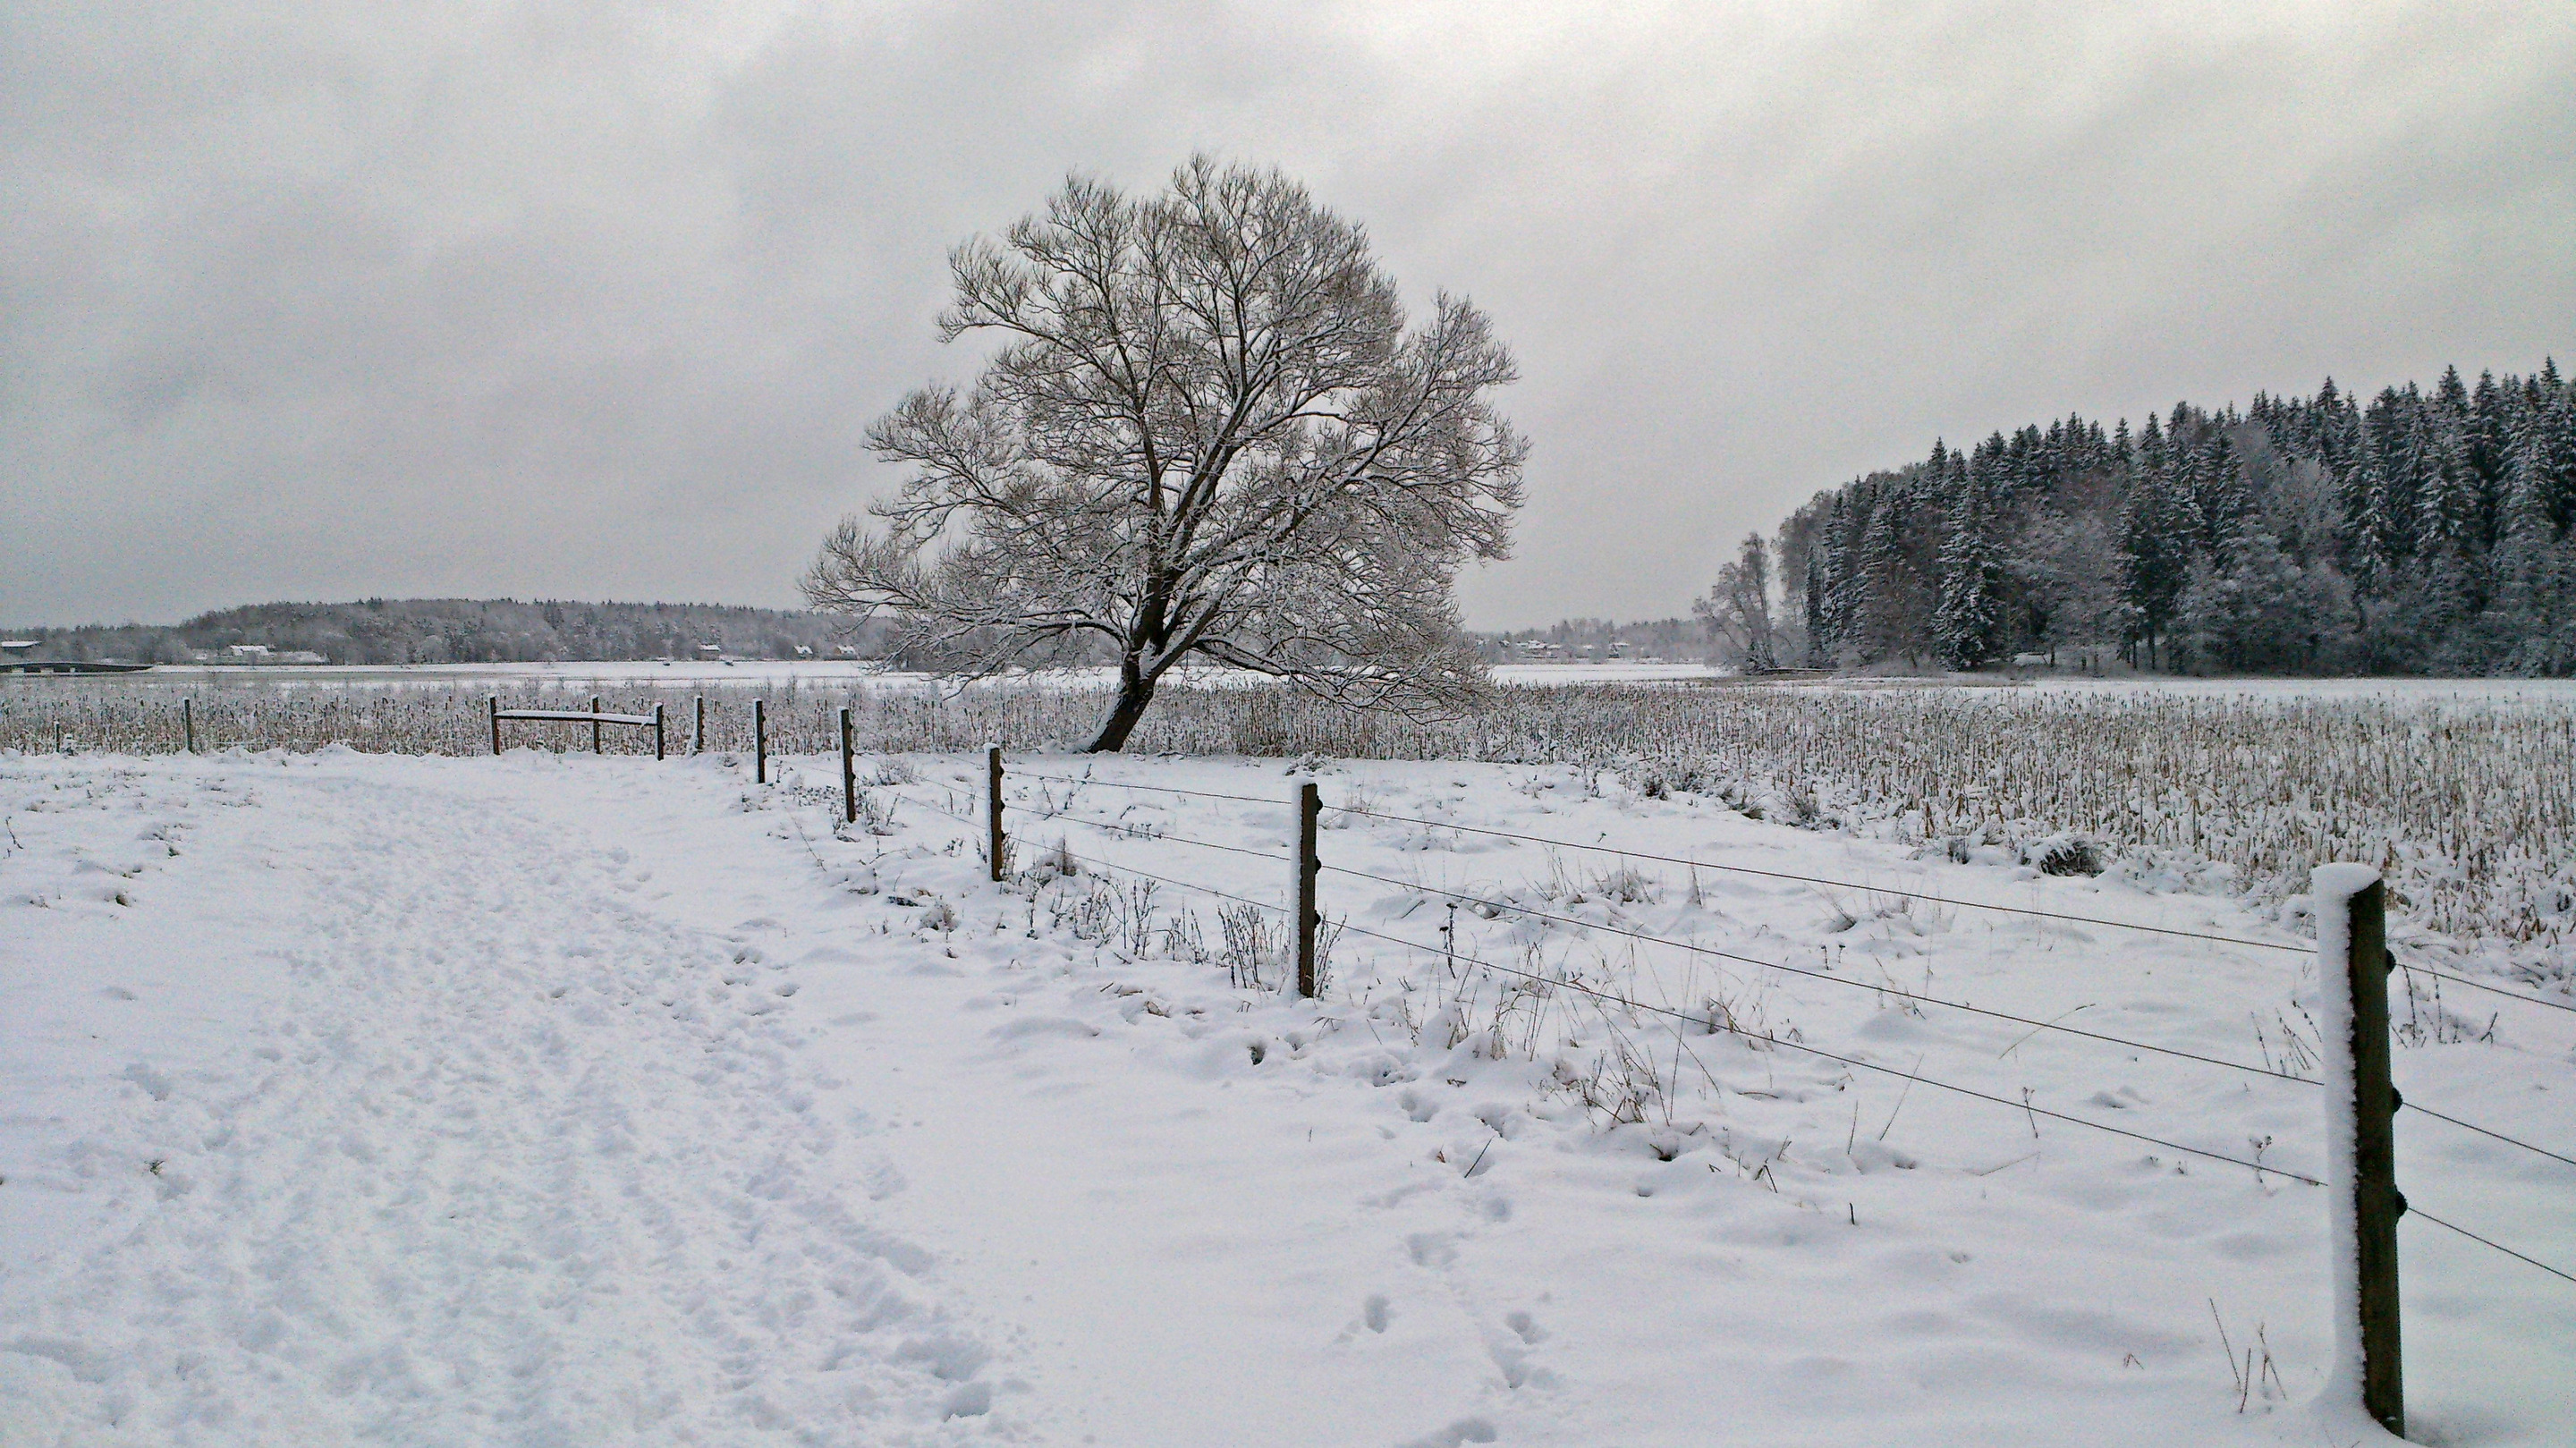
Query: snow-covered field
x=2554 y=693
x=814 y=673
x=568 y=1100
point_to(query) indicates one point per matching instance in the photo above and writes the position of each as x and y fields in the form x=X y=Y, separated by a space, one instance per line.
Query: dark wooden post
x=849 y=775
x=1310 y=808
x=698 y=741
x=759 y=742
x=188 y=722
x=2356 y=895
x=995 y=842
x=495 y=702
x=657 y=729
x=594 y=726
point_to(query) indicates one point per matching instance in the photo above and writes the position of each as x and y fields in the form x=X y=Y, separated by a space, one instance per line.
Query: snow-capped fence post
x=849 y=776
x=759 y=742
x=2361 y=1146
x=698 y=741
x=188 y=722
x=657 y=729
x=495 y=702
x=594 y=726
x=994 y=840
x=1309 y=864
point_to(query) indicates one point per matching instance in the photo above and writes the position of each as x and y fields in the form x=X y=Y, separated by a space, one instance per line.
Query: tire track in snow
x=525 y=1163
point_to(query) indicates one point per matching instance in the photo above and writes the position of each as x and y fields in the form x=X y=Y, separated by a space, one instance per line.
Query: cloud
x=321 y=300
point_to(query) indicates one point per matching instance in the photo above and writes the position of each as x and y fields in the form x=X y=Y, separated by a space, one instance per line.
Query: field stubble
x=2468 y=805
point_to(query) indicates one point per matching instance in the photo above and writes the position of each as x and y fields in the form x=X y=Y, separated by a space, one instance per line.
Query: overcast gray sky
x=320 y=300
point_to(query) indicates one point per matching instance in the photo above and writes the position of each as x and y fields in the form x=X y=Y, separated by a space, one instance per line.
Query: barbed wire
x=2486 y=1131
x=1613 y=998
x=1156 y=788
x=2514 y=995
x=2028 y=911
x=1830 y=979
x=1816 y=880
x=2413 y=1211
x=1714 y=1025
x=1160 y=836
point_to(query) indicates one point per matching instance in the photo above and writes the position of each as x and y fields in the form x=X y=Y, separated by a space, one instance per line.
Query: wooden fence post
x=657 y=729
x=2352 y=945
x=698 y=741
x=759 y=742
x=1309 y=862
x=594 y=726
x=849 y=776
x=495 y=702
x=188 y=722
x=995 y=842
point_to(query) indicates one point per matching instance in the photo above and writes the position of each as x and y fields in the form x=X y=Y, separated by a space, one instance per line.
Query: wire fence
x=1720 y=867
x=1051 y=809
x=420 y=722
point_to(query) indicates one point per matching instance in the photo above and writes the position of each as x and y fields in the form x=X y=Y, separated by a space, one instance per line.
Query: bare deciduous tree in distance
x=1738 y=610
x=1208 y=432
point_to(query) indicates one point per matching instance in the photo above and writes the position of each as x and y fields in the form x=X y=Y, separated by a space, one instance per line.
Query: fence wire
x=1712 y=1024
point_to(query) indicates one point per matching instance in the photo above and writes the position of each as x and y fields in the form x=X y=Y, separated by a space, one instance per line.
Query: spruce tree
x=1968 y=622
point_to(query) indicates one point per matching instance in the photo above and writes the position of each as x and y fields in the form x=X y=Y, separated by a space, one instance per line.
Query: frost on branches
x=1209 y=432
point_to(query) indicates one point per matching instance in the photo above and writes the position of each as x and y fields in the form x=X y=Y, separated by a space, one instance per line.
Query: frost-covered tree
x=1210 y=431
x=1738 y=610
x=1968 y=622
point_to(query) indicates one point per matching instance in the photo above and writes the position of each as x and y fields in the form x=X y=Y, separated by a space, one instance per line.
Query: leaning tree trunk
x=1135 y=691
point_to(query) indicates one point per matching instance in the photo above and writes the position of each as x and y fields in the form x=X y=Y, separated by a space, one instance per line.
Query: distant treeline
x=468 y=631
x=2420 y=532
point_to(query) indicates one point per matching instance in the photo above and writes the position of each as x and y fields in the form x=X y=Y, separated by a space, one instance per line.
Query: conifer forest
x=2423 y=531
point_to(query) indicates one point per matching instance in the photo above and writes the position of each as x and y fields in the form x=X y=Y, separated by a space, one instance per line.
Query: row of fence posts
x=597 y=720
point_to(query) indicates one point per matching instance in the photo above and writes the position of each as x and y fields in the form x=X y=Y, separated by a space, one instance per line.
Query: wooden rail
x=593 y=716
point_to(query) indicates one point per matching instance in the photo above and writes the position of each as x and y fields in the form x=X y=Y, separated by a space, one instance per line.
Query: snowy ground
x=2554 y=693
x=566 y=1100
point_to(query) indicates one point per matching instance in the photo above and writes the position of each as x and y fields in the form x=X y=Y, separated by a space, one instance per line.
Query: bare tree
x=1738 y=610
x=1209 y=432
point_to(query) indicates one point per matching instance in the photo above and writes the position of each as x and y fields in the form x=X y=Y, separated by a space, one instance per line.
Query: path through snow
x=567 y=1101
x=501 y=1152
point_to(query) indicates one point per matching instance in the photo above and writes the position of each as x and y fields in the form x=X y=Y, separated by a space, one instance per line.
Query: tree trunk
x=1135 y=691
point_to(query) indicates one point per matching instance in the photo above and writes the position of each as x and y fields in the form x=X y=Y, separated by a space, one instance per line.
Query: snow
x=554 y=1099
x=775 y=672
x=2330 y=892
x=2554 y=693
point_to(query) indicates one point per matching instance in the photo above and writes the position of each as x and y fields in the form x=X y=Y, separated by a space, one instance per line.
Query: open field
x=458 y=1100
x=762 y=673
x=2464 y=793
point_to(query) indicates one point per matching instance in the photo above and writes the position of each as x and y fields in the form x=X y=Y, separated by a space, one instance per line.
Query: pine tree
x=2218 y=497
x=2152 y=567
x=2425 y=527
x=1880 y=601
x=1968 y=622
x=1820 y=648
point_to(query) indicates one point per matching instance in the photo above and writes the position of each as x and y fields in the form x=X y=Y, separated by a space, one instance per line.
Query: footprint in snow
x=1463 y=1430
x=1028 y=1026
